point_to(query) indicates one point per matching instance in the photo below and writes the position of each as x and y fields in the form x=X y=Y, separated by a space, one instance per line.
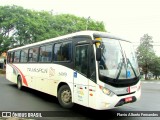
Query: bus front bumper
x=117 y=101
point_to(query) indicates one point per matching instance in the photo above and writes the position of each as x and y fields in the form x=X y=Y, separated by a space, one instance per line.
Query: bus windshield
x=118 y=60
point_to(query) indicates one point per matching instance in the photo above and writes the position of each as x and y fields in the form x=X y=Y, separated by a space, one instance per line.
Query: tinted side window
x=81 y=59
x=11 y=58
x=62 y=52
x=8 y=57
x=57 y=52
x=24 y=55
x=16 y=56
x=45 y=53
x=66 y=51
x=33 y=54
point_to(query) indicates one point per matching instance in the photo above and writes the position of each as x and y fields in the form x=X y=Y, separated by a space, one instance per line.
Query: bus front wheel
x=19 y=82
x=65 y=96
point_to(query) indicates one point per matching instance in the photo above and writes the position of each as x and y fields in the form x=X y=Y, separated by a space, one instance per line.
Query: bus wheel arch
x=19 y=82
x=64 y=95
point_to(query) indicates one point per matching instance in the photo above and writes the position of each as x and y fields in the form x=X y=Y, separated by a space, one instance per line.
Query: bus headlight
x=106 y=91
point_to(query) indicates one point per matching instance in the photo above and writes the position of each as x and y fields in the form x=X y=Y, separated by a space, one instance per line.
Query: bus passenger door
x=80 y=75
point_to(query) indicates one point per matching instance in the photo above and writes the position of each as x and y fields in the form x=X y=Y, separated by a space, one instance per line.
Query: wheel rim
x=66 y=96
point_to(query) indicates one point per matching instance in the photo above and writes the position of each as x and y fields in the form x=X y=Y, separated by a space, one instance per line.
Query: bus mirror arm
x=98 y=50
x=98 y=54
x=96 y=41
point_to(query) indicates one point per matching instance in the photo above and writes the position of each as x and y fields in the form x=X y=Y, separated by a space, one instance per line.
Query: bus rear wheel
x=19 y=83
x=65 y=96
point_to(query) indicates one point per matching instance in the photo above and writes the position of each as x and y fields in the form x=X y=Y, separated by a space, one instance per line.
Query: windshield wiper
x=128 y=62
x=120 y=69
x=122 y=63
x=125 y=62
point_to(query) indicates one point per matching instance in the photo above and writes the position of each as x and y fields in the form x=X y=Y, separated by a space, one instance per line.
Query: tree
x=145 y=53
x=19 y=26
x=155 y=67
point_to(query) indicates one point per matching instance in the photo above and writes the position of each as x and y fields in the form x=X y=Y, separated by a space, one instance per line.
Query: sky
x=130 y=19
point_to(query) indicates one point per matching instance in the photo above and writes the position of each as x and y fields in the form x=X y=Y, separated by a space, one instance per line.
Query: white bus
x=89 y=68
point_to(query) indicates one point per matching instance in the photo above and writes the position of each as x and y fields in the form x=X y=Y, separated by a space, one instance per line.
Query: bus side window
x=24 y=56
x=33 y=54
x=57 y=52
x=62 y=52
x=42 y=54
x=11 y=58
x=45 y=53
x=16 y=56
x=66 y=51
x=8 y=57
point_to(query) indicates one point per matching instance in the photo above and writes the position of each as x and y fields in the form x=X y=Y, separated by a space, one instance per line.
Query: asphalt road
x=12 y=99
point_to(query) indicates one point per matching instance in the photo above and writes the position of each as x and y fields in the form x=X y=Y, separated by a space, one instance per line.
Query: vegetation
x=147 y=58
x=19 y=26
x=2 y=71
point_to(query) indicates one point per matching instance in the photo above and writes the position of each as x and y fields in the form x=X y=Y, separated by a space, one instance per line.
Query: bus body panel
x=41 y=77
x=9 y=73
x=92 y=95
x=80 y=89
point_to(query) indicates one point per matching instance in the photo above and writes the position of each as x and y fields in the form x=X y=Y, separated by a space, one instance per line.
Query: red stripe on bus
x=129 y=89
x=23 y=77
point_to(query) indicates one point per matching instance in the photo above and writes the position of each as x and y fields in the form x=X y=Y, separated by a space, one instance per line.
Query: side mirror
x=98 y=54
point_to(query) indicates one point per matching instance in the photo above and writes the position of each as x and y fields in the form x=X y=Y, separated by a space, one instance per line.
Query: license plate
x=129 y=99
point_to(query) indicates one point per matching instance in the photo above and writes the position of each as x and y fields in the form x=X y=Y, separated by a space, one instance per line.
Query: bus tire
x=19 y=83
x=65 y=96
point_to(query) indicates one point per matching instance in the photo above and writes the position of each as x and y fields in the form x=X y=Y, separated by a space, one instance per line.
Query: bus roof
x=90 y=33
